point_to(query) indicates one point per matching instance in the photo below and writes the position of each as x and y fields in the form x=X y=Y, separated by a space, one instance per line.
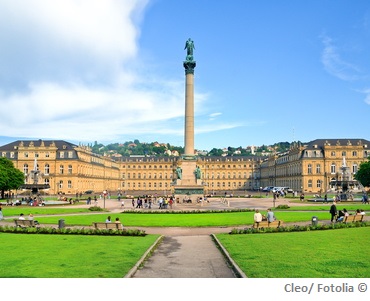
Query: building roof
x=320 y=143
x=60 y=144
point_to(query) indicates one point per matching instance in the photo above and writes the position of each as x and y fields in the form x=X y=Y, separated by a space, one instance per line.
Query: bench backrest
x=114 y=226
x=266 y=224
x=353 y=218
x=25 y=223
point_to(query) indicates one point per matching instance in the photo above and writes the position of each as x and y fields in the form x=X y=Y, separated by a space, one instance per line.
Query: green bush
x=74 y=231
x=96 y=208
x=282 y=207
x=297 y=228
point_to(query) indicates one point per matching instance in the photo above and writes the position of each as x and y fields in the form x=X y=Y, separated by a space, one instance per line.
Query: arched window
x=309 y=183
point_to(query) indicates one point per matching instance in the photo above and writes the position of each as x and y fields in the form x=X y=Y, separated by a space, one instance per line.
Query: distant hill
x=130 y=148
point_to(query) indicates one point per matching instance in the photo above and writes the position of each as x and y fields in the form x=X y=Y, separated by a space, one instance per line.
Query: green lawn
x=230 y=219
x=70 y=256
x=38 y=210
x=341 y=253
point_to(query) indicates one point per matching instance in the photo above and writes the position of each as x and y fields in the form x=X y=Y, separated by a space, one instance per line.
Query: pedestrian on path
x=333 y=211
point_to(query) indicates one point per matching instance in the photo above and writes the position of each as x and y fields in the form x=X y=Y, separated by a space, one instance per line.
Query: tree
x=363 y=174
x=10 y=177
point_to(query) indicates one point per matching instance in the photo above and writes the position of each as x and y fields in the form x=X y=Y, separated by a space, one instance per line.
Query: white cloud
x=67 y=74
x=334 y=64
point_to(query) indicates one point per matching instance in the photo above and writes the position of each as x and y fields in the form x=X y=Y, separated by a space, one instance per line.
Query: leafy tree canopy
x=363 y=174
x=10 y=177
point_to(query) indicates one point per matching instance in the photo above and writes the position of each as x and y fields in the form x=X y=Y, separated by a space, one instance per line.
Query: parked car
x=267 y=188
x=89 y=192
x=276 y=189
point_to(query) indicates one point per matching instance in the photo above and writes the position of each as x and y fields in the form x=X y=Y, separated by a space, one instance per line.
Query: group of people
x=30 y=217
x=117 y=220
x=259 y=217
x=108 y=220
x=340 y=215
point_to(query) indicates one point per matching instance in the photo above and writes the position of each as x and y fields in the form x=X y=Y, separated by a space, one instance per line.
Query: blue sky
x=111 y=71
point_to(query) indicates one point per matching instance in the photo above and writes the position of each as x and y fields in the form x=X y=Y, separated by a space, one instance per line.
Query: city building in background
x=318 y=166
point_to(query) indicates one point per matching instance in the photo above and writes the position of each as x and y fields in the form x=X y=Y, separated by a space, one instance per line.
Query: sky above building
x=112 y=71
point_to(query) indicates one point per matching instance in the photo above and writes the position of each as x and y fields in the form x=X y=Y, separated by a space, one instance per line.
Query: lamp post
x=104 y=196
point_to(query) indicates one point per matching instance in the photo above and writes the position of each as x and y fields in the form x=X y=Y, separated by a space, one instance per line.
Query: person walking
x=333 y=211
x=1 y=212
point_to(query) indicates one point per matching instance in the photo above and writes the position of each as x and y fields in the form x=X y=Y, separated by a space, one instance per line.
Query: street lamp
x=104 y=196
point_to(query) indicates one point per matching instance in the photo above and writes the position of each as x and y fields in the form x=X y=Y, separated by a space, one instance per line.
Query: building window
x=332 y=168
x=61 y=154
x=69 y=184
x=318 y=168
x=309 y=183
x=61 y=169
x=344 y=154
x=309 y=169
x=25 y=168
x=47 y=155
x=47 y=169
x=61 y=184
x=354 y=154
x=26 y=155
x=333 y=154
x=11 y=154
x=318 y=183
x=70 y=154
x=354 y=168
x=70 y=169
x=36 y=155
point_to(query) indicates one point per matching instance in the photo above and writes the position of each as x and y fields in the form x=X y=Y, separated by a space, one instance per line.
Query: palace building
x=68 y=168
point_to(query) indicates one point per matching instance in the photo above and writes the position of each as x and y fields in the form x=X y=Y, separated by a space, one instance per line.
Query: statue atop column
x=189 y=63
x=189 y=46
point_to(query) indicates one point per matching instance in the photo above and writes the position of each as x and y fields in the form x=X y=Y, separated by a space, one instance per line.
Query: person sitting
x=117 y=221
x=108 y=220
x=30 y=217
x=340 y=216
x=21 y=217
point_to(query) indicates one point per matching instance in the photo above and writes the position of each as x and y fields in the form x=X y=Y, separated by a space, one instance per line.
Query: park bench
x=108 y=226
x=24 y=223
x=266 y=224
x=353 y=218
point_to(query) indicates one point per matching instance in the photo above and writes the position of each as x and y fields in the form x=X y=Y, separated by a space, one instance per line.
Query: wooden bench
x=266 y=224
x=108 y=226
x=353 y=218
x=24 y=223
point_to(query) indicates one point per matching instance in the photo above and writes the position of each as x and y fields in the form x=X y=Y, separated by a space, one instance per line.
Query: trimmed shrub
x=73 y=231
x=297 y=228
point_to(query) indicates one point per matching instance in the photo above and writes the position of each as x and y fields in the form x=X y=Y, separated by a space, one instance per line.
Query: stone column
x=189 y=108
